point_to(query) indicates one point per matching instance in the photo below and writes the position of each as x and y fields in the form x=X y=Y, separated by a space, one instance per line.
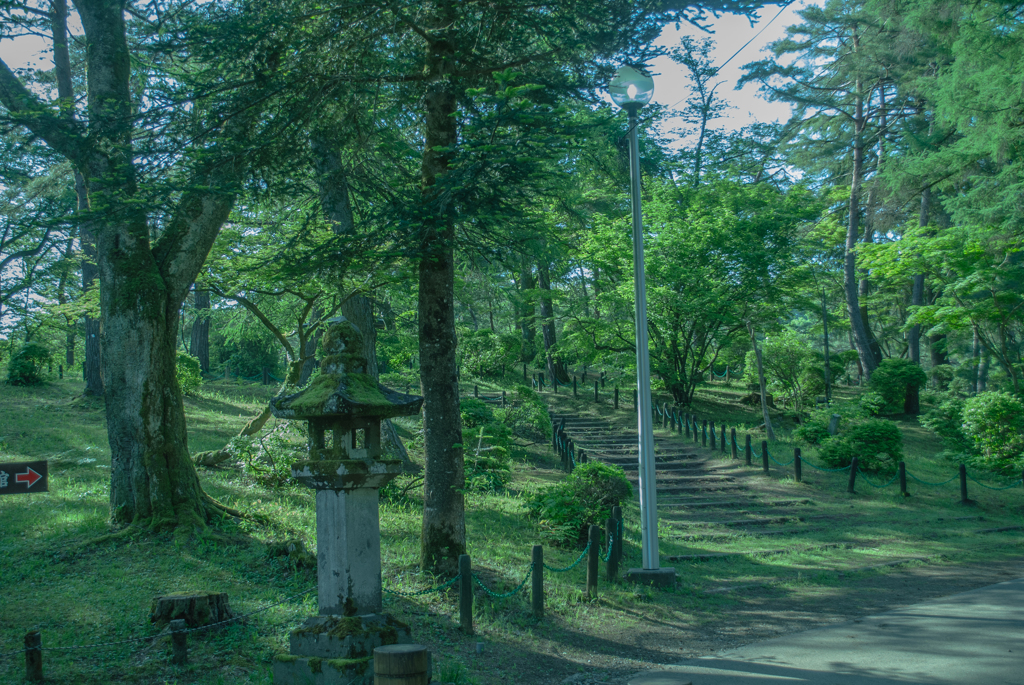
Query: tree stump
x=199 y=609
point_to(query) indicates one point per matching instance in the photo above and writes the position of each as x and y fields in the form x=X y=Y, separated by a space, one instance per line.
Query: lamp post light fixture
x=631 y=90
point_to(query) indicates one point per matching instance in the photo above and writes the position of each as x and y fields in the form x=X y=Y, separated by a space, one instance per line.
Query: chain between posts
x=492 y=593
x=573 y=565
x=777 y=461
x=989 y=487
x=924 y=482
x=868 y=481
x=606 y=557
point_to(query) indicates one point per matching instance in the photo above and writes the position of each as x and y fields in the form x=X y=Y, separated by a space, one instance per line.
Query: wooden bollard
x=964 y=499
x=476 y=391
x=903 y=478
x=714 y=436
x=853 y=476
x=401 y=665
x=575 y=394
x=721 y=434
x=611 y=534
x=704 y=434
x=266 y=376
x=583 y=456
x=597 y=391
x=537 y=589
x=60 y=371
x=179 y=642
x=619 y=535
x=503 y=401
x=616 y=396
x=686 y=420
x=34 y=656
x=540 y=381
x=735 y=447
x=748 y=452
x=797 y=465
x=465 y=594
x=764 y=457
x=593 y=561
x=696 y=431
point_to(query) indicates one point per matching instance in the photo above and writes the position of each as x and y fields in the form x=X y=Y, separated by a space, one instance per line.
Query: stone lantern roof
x=344 y=389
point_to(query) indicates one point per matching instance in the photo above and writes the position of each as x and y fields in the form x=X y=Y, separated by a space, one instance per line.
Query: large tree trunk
x=444 y=520
x=556 y=369
x=850 y=281
x=199 y=343
x=527 y=311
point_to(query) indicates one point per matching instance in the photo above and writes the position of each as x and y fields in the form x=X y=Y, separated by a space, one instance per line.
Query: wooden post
x=764 y=457
x=714 y=436
x=465 y=594
x=537 y=593
x=616 y=395
x=620 y=533
x=696 y=437
x=34 y=656
x=179 y=642
x=748 y=452
x=584 y=379
x=964 y=499
x=60 y=371
x=721 y=432
x=797 y=464
x=903 y=478
x=266 y=376
x=540 y=381
x=583 y=456
x=611 y=533
x=704 y=434
x=686 y=420
x=476 y=391
x=664 y=415
x=597 y=391
x=727 y=375
x=401 y=665
x=593 y=561
x=853 y=476
x=735 y=447
x=575 y=395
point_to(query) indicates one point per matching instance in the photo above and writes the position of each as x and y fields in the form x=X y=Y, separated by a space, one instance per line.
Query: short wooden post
x=964 y=499
x=903 y=478
x=476 y=391
x=593 y=561
x=686 y=421
x=714 y=436
x=465 y=594
x=584 y=379
x=727 y=375
x=634 y=399
x=616 y=396
x=735 y=447
x=664 y=415
x=853 y=476
x=583 y=456
x=748 y=452
x=401 y=665
x=696 y=437
x=704 y=434
x=503 y=400
x=60 y=371
x=266 y=376
x=575 y=394
x=34 y=656
x=620 y=532
x=797 y=464
x=179 y=642
x=721 y=432
x=537 y=591
x=597 y=393
x=611 y=533
x=764 y=457
x=540 y=381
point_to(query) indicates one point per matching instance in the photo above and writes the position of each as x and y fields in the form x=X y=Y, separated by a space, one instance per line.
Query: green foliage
x=877 y=444
x=812 y=432
x=567 y=509
x=268 y=458
x=26 y=364
x=892 y=379
x=947 y=421
x=994 y=423
x=526 y=414
x=787 y=359
x=475 y=412
x=487 y=455
x=189 y=373
x=487 y=354
x=872 y=403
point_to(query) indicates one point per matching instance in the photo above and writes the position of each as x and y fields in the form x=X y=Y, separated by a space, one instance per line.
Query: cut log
x=198 y=609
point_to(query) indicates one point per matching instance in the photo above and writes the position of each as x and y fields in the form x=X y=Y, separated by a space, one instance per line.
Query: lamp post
x=631 y=90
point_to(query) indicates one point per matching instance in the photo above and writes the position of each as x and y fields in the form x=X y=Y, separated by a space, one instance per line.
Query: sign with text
x=23 y=477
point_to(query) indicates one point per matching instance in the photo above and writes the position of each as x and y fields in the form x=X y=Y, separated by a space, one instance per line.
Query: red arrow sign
x=29 y=477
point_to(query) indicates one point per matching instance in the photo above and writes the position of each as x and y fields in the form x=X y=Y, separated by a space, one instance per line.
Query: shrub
x=526 y=414
x=946 y=420
x=475 y=412
x=872 y=404
x=893 y=378
x=487 y=354
x=994 y=423
x=877 y=444
x=190 y=374
x=26 y=365
x=812 y=432
x=488 y=445
x=567 y=509
x=268 y=459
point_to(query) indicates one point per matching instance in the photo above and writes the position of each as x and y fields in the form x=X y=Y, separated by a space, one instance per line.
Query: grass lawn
x=102 y=593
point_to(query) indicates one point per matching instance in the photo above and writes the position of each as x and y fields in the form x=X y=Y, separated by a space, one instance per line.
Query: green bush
x=488 y=445
x=526 y=414
x=567 y=509
x=487 y=354
x=947 y=421
x=994 y=423
x=26 y=365
x=190 y=374
x=872 y=403
x=812 y=432
x=893 y=378
x=475 y=412
x=877 y=444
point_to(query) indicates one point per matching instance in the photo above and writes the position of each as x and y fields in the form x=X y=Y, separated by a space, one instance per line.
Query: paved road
x=973 y=638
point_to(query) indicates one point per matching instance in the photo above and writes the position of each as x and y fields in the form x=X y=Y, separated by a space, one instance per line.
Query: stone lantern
x=343 y=408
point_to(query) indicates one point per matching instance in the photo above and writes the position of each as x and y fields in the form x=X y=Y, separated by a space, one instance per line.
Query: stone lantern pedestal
x=344 y=408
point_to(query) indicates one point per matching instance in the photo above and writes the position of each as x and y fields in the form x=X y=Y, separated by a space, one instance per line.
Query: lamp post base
x=658 y=577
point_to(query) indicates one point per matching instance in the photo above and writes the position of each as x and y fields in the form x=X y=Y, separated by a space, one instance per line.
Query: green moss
x=339 y=628
x=319 y=390
x=286 y=658
x=342 y=664
x=362 y=388
x=315 y=664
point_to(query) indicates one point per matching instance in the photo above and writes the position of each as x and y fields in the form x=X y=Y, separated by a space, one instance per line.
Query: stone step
x=739 y=535
x=731 y=503
x=706 y=556
x=760 y=521
x=699 y=488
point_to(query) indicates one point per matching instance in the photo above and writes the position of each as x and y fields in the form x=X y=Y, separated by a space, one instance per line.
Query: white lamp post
x=631 y=90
